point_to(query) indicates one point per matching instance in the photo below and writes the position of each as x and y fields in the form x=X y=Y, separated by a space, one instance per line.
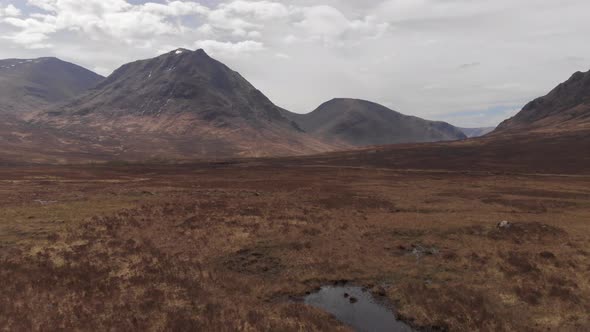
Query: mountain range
x=186 y=105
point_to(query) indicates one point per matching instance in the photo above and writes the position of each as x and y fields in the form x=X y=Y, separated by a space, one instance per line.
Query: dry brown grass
x=229 y=248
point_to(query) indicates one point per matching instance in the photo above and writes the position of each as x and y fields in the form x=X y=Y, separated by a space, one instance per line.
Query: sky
x=472 y=63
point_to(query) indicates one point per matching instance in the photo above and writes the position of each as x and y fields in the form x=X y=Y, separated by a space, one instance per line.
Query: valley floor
x=234 y=246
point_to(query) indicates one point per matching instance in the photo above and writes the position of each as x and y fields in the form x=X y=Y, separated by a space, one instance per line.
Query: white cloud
x=254 y=34
x=223 y=19
x=329 y=25
x=87 y=7
x=324 y=21
x=175 y=8
x=263 y=10
x=229 y=49
x=440 y=59
x=282 y=56
x=100 y=19
x=33 y=33
x=48 y=5
x=206 y=29
x=9 y=10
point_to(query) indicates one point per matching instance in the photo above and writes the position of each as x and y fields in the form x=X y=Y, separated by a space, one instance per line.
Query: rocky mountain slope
x=34 y=84
x=565 y=108
x=182 y=104
x=362 y=123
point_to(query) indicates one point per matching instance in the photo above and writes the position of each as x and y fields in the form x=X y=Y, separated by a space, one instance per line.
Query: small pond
x=357 y=309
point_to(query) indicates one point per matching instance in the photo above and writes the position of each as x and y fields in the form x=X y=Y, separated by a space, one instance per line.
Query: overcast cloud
x=469 y=62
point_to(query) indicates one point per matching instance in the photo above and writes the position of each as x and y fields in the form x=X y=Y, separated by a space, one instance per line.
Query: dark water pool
x=356 y=308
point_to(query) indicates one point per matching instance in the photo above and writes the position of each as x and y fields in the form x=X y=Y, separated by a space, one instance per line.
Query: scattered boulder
x=353 y=300
x=504 y=224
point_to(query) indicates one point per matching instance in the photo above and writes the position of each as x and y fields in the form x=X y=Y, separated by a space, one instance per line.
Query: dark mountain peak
x=341 y=100
x=180 y=81
x=578 y=83
x=36 y=62
x=181 y=50
x=579 y=76
x=566 y=105
x=179 y=63
x=174 y=67
x=351 y=108
x=181 y=53
x=201 y=52
x=50 y=59
x=352 y=104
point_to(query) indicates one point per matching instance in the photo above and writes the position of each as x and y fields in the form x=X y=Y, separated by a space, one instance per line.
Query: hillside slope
x=363 y=123
x=34 y=84
x=565 y=108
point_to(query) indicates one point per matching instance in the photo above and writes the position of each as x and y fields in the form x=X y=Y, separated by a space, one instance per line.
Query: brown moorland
x=234 y=245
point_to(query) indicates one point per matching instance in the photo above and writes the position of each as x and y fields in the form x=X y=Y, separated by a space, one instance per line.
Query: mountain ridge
x=35 y=84
x=359 y=122
x=566 y=107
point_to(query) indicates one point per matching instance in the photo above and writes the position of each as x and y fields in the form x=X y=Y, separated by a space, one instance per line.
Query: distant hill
x=182 y=104
x=477 y=132
x=565 y=108
x=363 y=123
x=33 y=84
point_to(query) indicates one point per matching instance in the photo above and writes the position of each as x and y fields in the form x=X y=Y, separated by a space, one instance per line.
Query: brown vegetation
x=231 y=246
